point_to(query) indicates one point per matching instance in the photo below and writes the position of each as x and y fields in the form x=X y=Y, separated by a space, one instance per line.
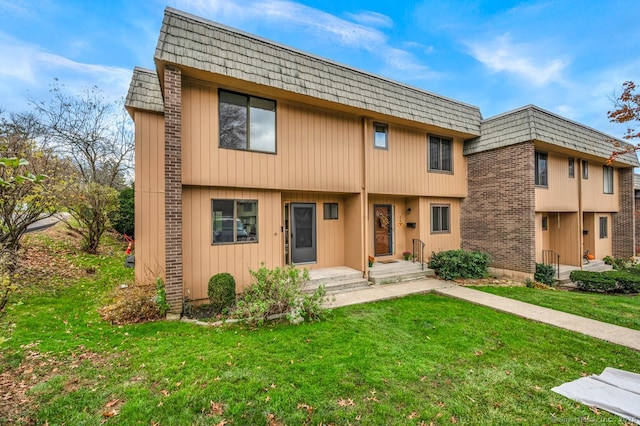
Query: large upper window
x=380 y=135
x=440 y=218
x=607 y=173
x=440 y=154
x=541 y=169
x=234 y=221
x=246 y=122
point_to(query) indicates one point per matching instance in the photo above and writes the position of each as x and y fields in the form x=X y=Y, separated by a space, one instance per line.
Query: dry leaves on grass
x=133 y=304
x=346 y=402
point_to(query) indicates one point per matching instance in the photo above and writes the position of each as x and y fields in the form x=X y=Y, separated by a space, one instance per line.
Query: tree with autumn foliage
x=627 y=110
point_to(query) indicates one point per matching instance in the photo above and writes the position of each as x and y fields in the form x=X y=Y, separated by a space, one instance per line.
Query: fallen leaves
x=111 y=408
x=346 y=402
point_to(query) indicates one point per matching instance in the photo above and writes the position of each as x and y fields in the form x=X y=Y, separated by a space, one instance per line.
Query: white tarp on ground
x=616 y=391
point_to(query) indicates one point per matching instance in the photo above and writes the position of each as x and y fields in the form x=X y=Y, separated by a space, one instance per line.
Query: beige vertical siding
x=562 y=236
x=316 y=150
x=354 y=238
x=201 y=259
x=402 y=169
x=330 y=234
x=602 y=246
x=437 y=242
x=149 y=196
x=593 y=197
x=561 y=194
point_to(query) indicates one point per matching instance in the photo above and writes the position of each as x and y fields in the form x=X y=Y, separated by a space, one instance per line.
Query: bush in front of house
x=222 y=292
x=545 y=274
x=615 y=281
x=279 y=291
x=455 y=264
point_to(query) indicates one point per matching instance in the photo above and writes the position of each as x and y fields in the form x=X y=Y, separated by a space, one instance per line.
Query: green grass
x=424 y=358
x=622 y=310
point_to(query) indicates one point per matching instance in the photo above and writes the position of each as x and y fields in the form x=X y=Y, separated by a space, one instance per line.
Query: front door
x=383 y=229
x=303 y=233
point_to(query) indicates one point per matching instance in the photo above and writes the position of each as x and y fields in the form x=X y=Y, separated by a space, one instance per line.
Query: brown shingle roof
x=144 y=91
x=531 y=123
x=193 y=42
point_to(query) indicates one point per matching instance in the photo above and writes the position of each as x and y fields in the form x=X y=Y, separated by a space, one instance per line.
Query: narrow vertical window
x=585 y=169
x=440 y=218
x=572 y=168
x=545 y=223
x=440 y=154
x=604 y=227
x=607 y=173
x=541 y=169
x=380 y=135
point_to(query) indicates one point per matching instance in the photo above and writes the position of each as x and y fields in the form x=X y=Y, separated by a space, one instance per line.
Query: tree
x=24 y=199
x=13 y=176
x=123 y=218
x=627 y=110
x=95 y=137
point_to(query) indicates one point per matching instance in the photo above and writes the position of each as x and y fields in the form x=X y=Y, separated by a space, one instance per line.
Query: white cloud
x=358 y=35
x=373 y=19
x=502 y=55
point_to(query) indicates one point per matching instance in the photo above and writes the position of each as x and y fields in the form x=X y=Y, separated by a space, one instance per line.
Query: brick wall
x=622 y=222
x=173 y=186
x=498 y=215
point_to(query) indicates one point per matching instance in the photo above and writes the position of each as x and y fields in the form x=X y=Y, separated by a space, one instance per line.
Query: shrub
x=545 y=273
x=455 y=264
x=222 y=292
x=132 y=304
x=161 y=297
x=279 y=291
x=122 y=219
x=616 y=281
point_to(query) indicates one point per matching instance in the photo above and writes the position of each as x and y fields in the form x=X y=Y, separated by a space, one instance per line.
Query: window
x=440 y=154
x=585 y=169
x=545 y=223
x=234 y=221
x=541 y=168
x=572 y=168
x=330 y=211
x=607 y=172
x=247 y=123
x=604 y=227
x=380 y=135
x=440 y=218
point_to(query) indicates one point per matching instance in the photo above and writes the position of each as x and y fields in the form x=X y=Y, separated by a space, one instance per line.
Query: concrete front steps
x=400 y=270
x=565 y=271
x=339 y=279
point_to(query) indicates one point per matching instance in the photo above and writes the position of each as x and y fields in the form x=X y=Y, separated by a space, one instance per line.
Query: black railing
x=550 y=257
x=417 y=252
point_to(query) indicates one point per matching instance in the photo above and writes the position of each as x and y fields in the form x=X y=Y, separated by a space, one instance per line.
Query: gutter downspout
x=364 y=203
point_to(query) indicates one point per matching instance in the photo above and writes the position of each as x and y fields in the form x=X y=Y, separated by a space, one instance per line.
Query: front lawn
x=414 y=361
x=622 y=310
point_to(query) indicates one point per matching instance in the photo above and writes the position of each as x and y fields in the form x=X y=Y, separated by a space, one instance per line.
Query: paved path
x=604 y=331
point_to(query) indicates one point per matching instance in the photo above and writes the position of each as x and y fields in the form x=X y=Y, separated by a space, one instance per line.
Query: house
x=250 y=152
x=540 y=186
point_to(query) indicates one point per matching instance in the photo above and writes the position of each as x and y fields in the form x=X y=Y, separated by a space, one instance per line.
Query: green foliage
x=608 y=260
x=455 y=264
x=545 y=274
x=161 y=297
x=122 y=219
x=616 y=281
x=529 y=283
x=279 y=291
x=222 y=292
x=90 y=205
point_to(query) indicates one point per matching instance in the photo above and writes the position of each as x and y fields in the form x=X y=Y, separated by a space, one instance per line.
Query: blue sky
x=566 y=56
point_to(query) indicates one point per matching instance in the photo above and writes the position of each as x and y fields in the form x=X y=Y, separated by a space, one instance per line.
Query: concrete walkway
x=600 y=330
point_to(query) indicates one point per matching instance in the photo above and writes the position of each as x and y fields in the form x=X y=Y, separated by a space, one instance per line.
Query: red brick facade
x=622 y=222
x=173 y=186
x=498 y=215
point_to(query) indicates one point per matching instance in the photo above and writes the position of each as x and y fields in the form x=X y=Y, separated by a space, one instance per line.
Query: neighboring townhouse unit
x=636 y=216
x=539 y=186
x=250 y=152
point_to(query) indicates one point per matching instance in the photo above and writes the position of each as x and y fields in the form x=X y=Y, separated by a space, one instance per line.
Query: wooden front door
x=383 y=229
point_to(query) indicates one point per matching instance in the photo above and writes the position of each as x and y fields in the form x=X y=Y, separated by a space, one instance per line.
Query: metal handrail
x=550 y=257
x=417 y=251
